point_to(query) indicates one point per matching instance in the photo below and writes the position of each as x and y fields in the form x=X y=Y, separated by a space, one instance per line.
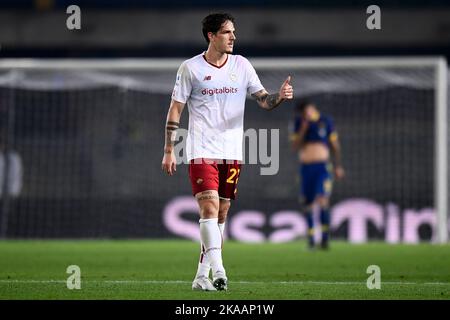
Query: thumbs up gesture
x=286 y=90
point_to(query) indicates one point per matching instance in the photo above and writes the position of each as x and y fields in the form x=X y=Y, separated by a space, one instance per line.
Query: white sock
x=203 y=265
x=212 y=240
x=222 y=228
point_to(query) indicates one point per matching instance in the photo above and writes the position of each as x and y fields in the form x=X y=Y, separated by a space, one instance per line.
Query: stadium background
x=91 y=158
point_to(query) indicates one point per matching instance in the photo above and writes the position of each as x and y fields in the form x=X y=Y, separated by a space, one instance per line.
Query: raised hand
x=286 y=90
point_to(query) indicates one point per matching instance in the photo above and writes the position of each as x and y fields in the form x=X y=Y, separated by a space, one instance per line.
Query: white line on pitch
x=236 y=282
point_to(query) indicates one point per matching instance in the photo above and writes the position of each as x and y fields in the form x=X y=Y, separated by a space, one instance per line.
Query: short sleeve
x=330 y=125
x=294 y=126
x=332 y=134
x=254 y=84
x=183 y=84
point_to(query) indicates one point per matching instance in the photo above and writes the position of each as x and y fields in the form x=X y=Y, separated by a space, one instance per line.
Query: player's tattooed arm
x=271 y=101
x=171 y=130
x=172 y=125
x=169 y=161
x=267 y=101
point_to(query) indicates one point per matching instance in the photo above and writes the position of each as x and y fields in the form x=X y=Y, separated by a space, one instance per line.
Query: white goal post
x=438 y=64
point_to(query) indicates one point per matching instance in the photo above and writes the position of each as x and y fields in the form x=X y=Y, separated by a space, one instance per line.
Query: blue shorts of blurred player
x=316 y=182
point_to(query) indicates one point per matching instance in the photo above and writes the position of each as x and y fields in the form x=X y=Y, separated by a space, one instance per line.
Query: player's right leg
x=211 y=236
x=201 y=280
x=205 y=181
x=204 y=266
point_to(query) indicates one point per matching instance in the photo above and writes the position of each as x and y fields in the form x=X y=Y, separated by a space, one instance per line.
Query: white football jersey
x=215 y=97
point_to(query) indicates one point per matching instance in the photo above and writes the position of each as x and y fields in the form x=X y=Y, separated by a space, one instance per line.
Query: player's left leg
x=224 y=206
x=323 y=200
x=229 y=172
x=306 y=199
x=310 y=222
x=324 y=220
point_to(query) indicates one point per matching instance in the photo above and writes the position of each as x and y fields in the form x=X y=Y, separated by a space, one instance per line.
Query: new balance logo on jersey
x=207 y=78
x=223 y=90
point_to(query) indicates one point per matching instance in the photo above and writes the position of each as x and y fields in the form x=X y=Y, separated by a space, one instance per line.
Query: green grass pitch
x=150 y=269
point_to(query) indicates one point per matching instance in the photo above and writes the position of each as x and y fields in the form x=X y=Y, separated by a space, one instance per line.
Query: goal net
x=81 y=148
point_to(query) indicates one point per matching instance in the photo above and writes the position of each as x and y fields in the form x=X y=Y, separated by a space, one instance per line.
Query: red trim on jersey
x=218 y=67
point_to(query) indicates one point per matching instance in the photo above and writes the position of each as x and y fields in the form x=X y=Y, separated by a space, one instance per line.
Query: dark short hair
x=302 y=104
x=213 y=22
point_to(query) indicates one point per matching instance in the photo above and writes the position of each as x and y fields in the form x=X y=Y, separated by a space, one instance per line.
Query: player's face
x=223 y=40
x=310 y=112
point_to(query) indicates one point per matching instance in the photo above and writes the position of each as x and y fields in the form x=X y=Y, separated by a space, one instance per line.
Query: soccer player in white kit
x=214 y=85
